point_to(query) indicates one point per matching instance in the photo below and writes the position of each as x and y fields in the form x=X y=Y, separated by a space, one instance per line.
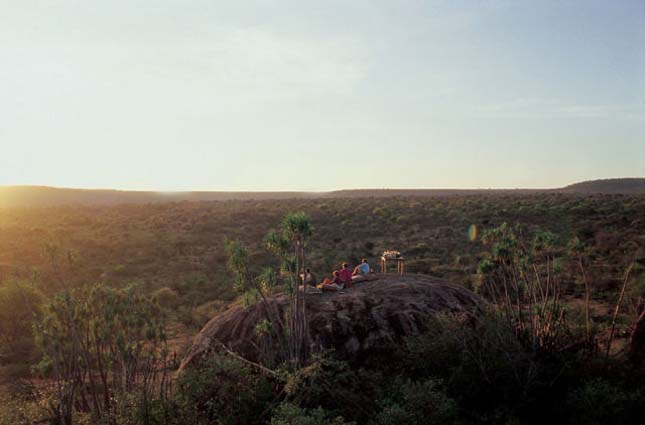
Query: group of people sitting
x=343 y=278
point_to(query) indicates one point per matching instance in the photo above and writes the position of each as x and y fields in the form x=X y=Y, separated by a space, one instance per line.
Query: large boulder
x=357 y=321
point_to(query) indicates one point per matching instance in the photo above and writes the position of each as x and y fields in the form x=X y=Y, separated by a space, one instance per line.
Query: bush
x=290 y=414
x=488 y=370
x=419 y=403
x=20 y=306
x=133 y=409
x=336 y=387
x=167 y=298
x=224 y=391
x=25 y=406
x=100 y=343
x=599 y=402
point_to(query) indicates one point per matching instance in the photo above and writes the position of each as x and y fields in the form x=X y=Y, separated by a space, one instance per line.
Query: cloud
x=270 y=61
x=257 y=64
x=532 y=107
x=601 y=111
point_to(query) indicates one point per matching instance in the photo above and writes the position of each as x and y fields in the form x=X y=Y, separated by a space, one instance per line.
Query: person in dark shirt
x=346 y=274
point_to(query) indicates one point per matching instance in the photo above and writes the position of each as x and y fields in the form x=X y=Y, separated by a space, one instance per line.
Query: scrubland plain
x=174 y=253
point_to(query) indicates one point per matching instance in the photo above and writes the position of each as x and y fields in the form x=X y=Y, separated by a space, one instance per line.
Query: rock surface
x=355 y=322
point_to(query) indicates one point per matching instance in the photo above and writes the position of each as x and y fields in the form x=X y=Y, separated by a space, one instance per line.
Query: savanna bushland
x=98 y=305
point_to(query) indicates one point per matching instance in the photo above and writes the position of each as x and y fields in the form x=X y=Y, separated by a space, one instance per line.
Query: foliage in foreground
x=459 y=372
x=102 y=347
x=20 y=305
x=290 y=414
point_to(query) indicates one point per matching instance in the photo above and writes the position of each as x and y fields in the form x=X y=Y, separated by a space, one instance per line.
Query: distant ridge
x=45 y=196
x=633 y=185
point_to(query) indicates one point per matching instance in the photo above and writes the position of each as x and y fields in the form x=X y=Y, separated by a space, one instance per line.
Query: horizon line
x=174 y=191
x=171 y=191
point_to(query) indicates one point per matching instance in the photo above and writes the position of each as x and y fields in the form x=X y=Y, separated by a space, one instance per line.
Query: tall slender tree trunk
x=587 y=299
x=304 y=304
x=617 y=310
x=637 y=343
x=298 y=337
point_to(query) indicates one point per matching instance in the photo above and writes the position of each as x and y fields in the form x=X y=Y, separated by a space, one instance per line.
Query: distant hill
x=44 y=196
x=608 y=186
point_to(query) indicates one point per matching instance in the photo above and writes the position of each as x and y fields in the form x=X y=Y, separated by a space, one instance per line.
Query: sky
x=320 y=95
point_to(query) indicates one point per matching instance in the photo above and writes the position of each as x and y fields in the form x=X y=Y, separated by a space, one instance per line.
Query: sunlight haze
x=300 y=95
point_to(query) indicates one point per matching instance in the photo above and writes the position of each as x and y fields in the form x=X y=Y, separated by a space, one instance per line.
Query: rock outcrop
x=355 y=322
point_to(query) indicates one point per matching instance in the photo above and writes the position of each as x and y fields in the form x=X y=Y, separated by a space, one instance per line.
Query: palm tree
x=289 y=243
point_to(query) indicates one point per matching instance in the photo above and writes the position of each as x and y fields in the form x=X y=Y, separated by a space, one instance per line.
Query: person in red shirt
x=346 y=274
x=333 y=285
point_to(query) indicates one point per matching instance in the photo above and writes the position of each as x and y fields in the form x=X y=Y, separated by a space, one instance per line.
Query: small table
x=400 y=264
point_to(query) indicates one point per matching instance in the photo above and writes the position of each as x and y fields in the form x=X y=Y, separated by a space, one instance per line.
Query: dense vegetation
x=44 y=196
x=67 y=270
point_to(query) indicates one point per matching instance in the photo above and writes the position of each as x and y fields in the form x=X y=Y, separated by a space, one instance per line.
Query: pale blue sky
x=300 y=95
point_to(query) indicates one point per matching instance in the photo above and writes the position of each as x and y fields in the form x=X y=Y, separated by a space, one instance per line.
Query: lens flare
x=472 y=232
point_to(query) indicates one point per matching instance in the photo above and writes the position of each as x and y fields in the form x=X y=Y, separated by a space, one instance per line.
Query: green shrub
x=133 y=409
x=20 y=307
x=599 y=402
x=488 y=369
x=167 y=298
x=100 y=343
x=25 y=406
x=335 y=386
x=290 y=414
x=417 y=403
x=223 y=391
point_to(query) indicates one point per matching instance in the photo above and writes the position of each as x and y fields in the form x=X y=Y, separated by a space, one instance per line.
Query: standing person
x=362 y=269
x=346 y=274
